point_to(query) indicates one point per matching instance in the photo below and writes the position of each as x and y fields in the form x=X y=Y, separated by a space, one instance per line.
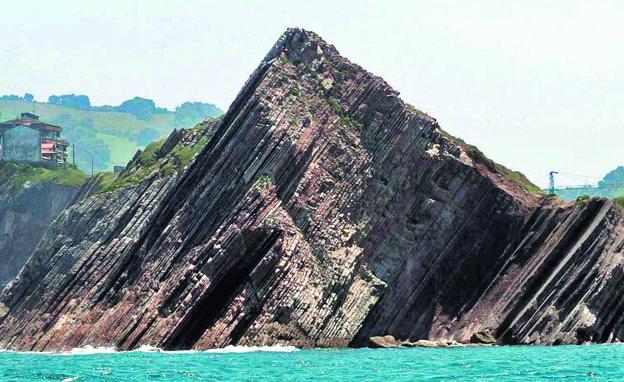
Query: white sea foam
x=250 y=349
x=225 y=350
x=89 y=350
x=72 y=379
x=147 y=349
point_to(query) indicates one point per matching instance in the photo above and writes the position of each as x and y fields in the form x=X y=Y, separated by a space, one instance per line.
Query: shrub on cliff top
x=581 y=200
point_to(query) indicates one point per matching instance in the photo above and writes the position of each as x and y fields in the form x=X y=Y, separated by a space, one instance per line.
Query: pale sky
x=537 y=85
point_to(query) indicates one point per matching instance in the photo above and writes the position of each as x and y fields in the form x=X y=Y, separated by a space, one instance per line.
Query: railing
x=591 y=187
x=56 y=140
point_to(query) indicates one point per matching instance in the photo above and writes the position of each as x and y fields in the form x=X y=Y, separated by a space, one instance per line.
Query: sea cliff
x=320 y=211
x=30 y=199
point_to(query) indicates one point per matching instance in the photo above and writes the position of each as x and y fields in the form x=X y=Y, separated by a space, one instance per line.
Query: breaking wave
x=225 y=350
x=250 y=349
x=89 y=350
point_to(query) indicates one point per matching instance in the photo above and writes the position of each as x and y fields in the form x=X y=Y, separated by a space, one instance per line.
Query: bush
x=581 y=200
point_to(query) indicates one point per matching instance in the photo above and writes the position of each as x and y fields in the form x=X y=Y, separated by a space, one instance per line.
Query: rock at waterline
x=384 y=342
x=483 y=338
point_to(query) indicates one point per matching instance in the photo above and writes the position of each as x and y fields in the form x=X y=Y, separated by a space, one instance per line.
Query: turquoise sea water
x=522 y=363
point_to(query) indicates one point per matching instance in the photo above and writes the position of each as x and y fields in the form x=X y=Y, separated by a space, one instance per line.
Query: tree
x=141 y=108
x=80 y=102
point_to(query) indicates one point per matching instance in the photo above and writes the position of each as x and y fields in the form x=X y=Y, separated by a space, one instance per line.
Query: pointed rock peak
x=298 y=45
x=303 y=55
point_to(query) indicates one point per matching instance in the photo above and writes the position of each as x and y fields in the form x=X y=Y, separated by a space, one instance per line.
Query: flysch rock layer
x=323 y=211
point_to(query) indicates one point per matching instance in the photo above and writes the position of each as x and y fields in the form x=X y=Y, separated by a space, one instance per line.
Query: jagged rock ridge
x=322 y=211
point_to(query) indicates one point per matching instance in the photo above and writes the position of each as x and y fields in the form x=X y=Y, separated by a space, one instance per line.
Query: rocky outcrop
x=384 y=342
x=26 y=211
x=322 y=211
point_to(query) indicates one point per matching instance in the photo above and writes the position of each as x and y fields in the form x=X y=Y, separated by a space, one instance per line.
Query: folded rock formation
x=322 y=211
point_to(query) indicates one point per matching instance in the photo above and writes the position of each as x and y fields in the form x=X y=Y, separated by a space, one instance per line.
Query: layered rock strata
x=322 y=211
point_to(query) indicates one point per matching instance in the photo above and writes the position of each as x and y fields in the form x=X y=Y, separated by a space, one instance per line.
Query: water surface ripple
x=520 y=363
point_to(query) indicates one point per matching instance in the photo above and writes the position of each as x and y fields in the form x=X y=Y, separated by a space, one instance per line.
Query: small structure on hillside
x=28 y=139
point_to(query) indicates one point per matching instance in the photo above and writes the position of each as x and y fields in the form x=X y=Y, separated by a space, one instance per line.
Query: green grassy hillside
x=111 y=137
x=15 y=176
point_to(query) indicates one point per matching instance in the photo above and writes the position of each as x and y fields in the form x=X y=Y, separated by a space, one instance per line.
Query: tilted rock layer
x=322 y=211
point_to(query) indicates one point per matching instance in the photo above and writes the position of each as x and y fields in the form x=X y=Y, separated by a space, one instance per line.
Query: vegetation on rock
x=582 y=200
x=16 y=175
x=153 y=161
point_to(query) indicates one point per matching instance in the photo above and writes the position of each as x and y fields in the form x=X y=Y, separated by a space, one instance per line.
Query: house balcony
x=56 y=141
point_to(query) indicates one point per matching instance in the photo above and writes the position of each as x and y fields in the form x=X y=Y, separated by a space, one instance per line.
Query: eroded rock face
x=322 y=211
x=25 y=215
